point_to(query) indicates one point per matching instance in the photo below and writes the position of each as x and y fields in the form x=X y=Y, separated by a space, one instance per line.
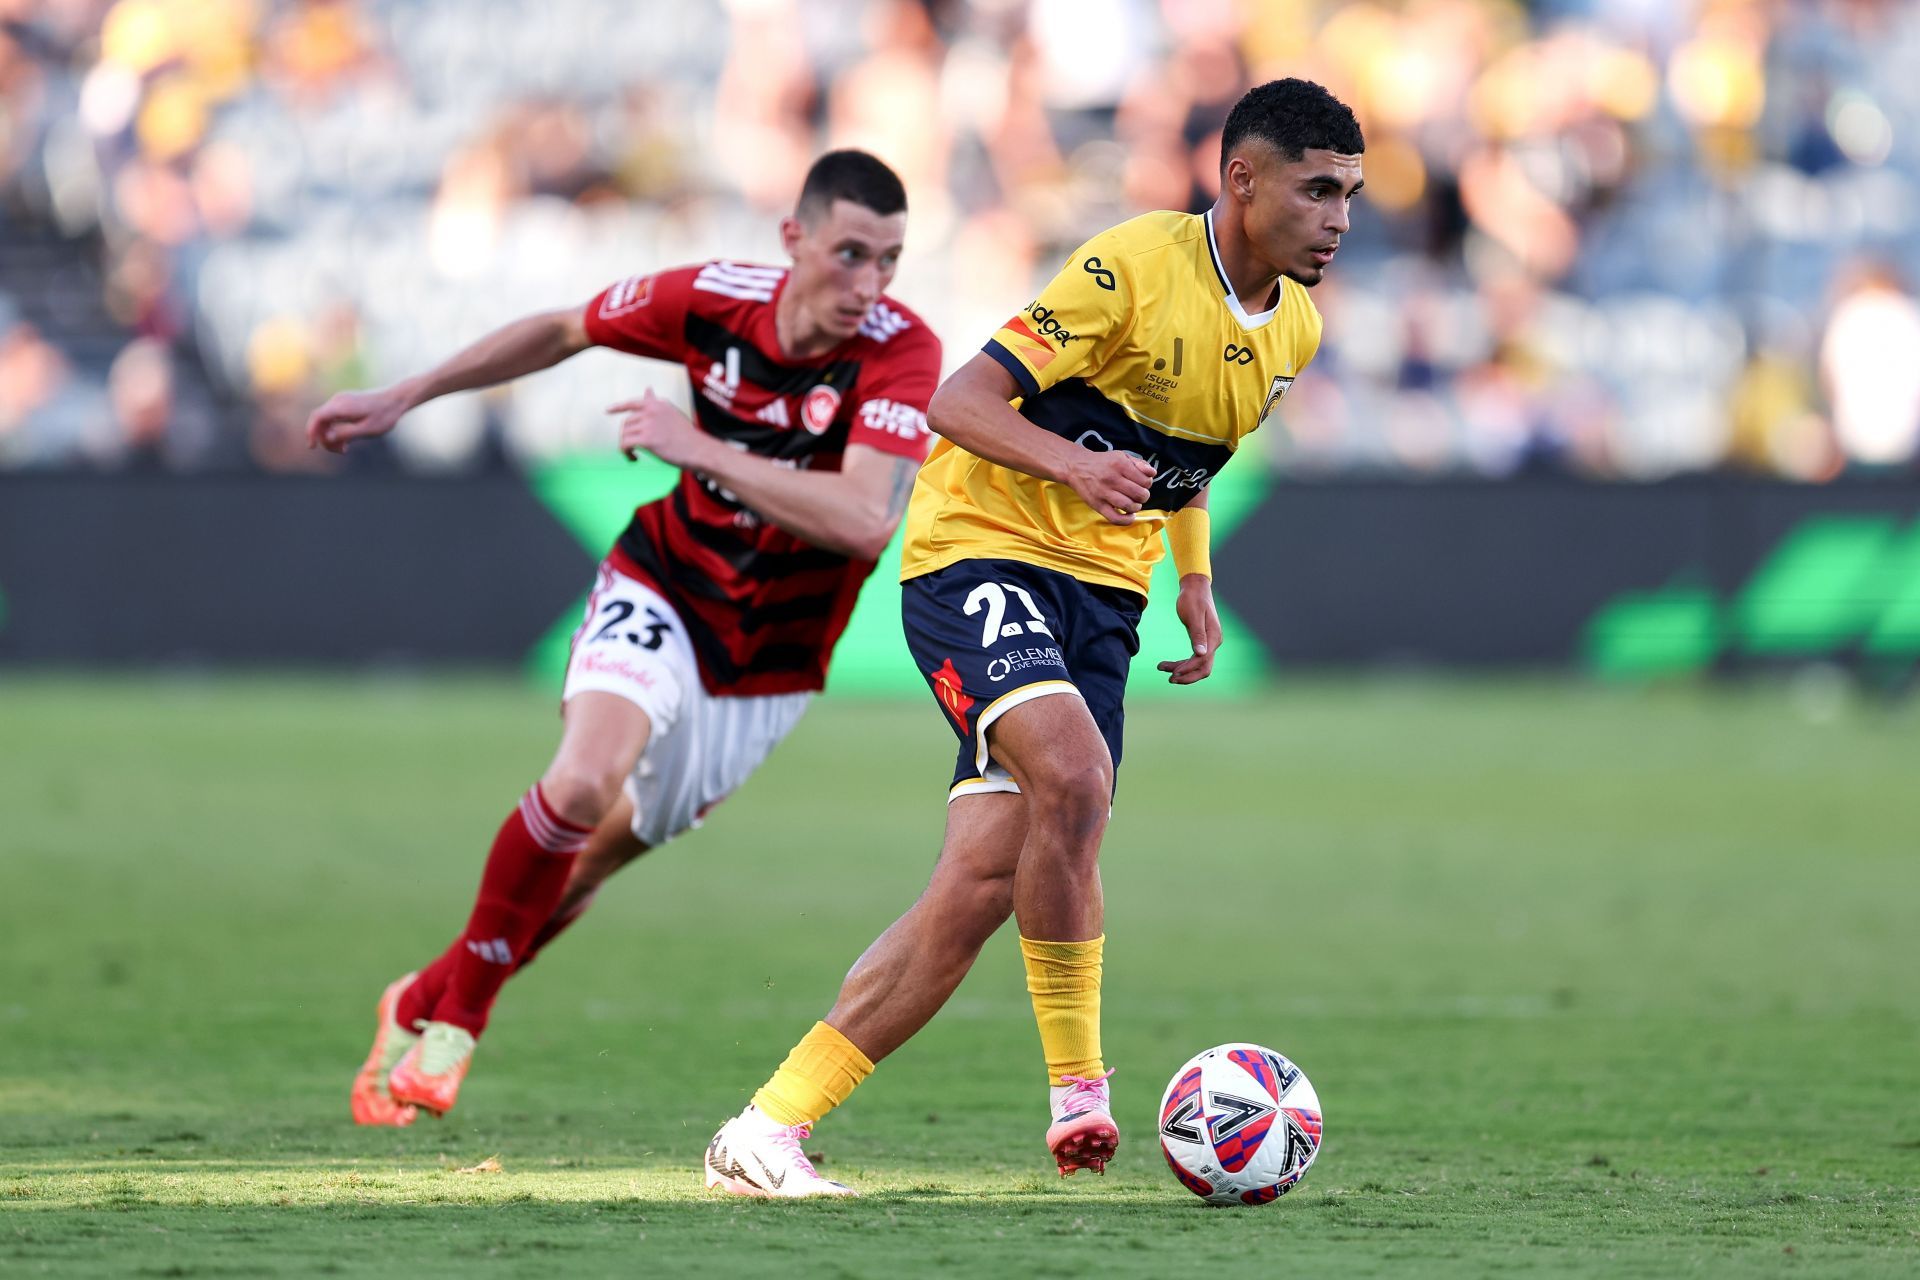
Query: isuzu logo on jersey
x=891 y=416
x=818 y=409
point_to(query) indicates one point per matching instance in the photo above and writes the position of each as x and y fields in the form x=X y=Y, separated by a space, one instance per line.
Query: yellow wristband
x=1190 y=537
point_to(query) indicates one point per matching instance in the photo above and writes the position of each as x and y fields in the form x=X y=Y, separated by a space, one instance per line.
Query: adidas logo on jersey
x=883 y=322
x=723 y=380
x=775 y=413
x=736 y=280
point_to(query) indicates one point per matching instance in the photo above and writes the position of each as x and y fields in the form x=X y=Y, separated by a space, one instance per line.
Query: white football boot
x=755 y=1155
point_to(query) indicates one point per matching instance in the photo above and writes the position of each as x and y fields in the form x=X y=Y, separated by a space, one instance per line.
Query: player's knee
x=580 y=795
x=1075 y=801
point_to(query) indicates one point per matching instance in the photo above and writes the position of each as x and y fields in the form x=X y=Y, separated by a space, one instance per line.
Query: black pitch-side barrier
x=126 y=571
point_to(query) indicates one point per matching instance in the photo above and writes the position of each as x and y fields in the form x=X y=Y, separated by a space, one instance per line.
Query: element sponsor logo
x=1236 y=354
x=818 y=409
x=1021 y=659
x=1101 y=276
x=947 y=688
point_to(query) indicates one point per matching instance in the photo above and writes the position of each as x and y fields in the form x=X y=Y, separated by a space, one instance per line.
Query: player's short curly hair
x=1295 y=116
x=851 y=175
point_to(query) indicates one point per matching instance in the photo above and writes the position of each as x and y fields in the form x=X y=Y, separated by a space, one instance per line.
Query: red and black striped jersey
x=763 y=607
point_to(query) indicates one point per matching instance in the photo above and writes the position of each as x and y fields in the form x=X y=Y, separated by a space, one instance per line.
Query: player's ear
x=1239 y=177
x=792 y=231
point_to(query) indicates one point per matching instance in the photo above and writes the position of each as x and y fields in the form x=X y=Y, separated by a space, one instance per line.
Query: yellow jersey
x=1137 y=344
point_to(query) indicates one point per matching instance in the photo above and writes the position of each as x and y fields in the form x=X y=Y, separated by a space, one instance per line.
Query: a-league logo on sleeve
x=629 y=295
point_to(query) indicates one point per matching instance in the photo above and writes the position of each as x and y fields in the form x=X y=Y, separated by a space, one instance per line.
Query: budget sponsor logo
x=1047 y=326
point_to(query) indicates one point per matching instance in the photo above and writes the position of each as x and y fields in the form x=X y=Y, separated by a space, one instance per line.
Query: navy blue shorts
x=991 y=634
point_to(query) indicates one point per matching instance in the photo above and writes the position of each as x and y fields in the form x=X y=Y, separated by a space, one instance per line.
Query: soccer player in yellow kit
x=1032 y=533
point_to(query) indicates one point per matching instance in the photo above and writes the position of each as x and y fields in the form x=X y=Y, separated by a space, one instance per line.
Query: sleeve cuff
x=1011 y=363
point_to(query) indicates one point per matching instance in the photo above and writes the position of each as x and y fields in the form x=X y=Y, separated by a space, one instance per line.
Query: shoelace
x=1082 y=1090
x=789 y=1140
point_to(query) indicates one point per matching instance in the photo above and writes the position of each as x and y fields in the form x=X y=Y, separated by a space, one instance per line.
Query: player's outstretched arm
x=528 y=345
x=971 y=409
x=853 y=510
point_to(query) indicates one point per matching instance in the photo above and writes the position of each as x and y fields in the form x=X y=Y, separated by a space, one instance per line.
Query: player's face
x=1297 y=209
x=843 y=260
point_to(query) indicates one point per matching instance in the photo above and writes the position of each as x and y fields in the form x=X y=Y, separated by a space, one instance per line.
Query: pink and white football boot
x=1083 y=1134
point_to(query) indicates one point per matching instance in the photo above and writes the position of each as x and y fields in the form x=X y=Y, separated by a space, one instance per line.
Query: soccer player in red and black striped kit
x=715 y=614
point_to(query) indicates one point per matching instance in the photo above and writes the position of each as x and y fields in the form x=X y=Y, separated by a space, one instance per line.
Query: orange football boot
x=371 y=1102
x=428 y=1075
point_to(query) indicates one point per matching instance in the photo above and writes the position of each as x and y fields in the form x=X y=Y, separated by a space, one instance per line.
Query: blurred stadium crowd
x=1611 y=238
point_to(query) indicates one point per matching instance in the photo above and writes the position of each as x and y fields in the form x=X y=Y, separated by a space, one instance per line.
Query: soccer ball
x=1239 y=1124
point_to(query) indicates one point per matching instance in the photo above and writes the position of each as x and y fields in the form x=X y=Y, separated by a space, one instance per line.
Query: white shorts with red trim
x=633 y=644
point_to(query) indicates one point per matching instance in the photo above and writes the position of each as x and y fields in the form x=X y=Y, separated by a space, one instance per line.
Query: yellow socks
x=1064 y=980
x=816 y=1077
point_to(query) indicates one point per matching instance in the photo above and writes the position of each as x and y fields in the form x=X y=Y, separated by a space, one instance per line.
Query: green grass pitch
x=1591 y=982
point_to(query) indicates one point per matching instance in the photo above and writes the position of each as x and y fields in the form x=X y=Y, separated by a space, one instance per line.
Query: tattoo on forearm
x=904 y=471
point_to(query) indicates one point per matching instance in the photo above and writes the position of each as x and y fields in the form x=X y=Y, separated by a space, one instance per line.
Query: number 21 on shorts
x=992 y=597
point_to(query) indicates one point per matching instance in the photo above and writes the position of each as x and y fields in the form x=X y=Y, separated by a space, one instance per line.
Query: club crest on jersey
x=817 y=410
x=1275 y=394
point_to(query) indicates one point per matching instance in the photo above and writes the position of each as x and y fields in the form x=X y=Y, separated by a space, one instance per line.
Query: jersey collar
x=1255 y=320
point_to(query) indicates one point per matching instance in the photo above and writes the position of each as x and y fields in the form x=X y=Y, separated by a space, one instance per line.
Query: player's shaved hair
x=1294 y=117
x=850 y=175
